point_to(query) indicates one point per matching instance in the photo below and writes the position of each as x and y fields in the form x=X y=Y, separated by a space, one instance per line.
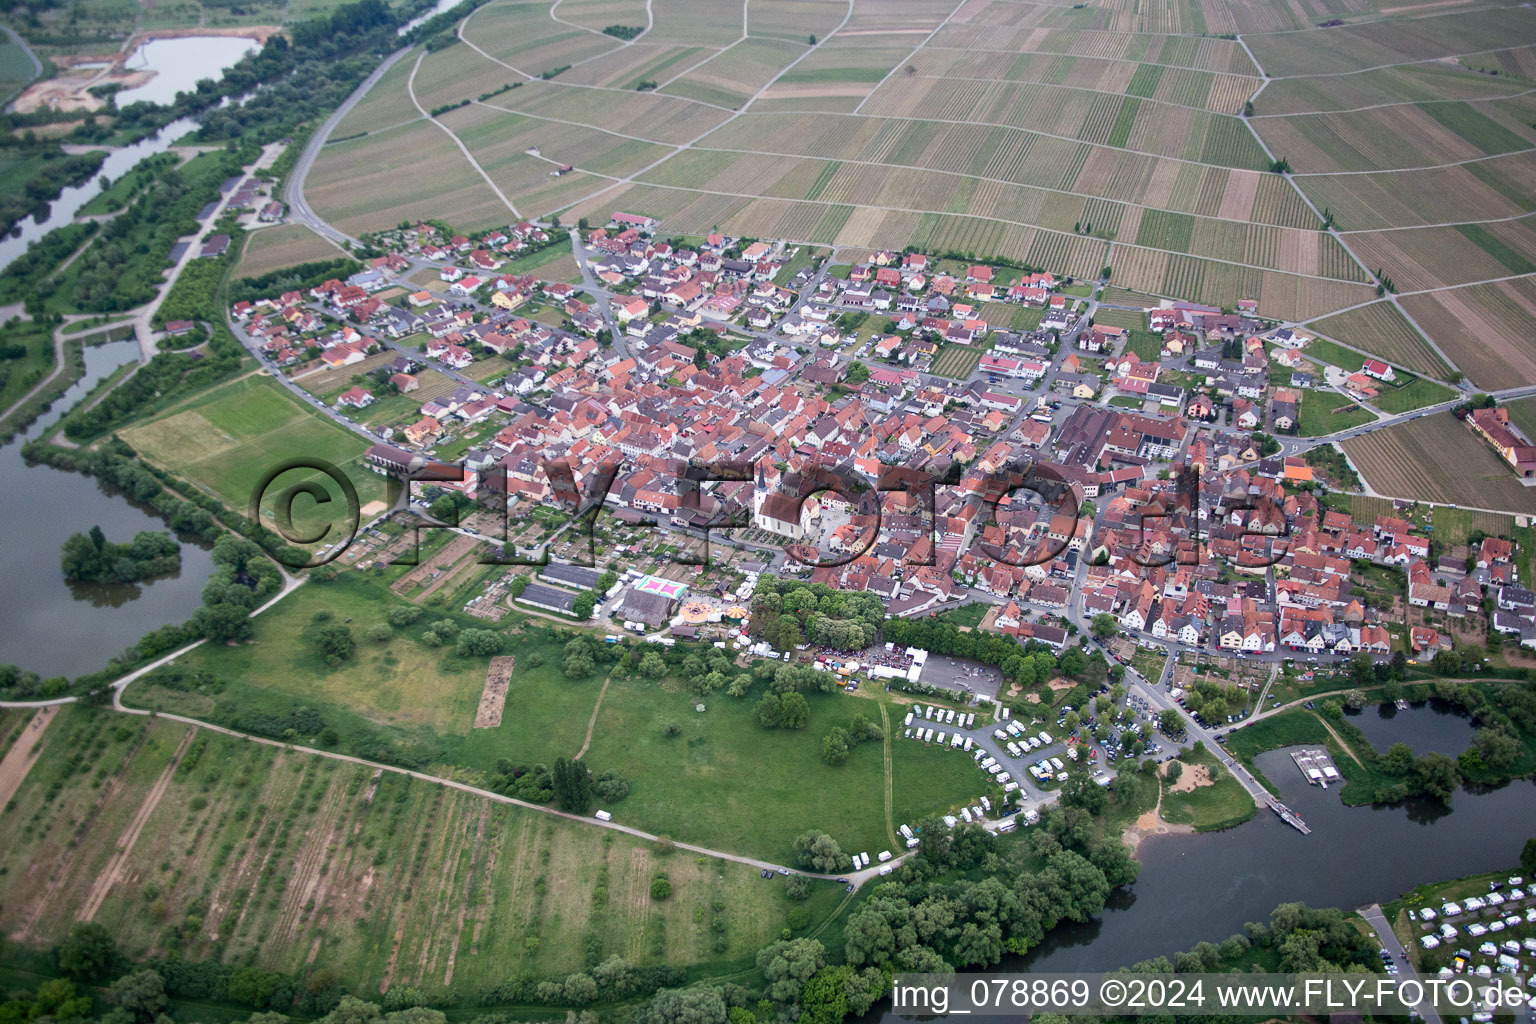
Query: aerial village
x=1177 y=510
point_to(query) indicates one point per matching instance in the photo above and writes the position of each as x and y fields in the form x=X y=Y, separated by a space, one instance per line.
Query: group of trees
x=90 y=557
x=332 y=640
x=818 y=851
x=580 y=656
x=1434 y=775
x=787 y=613
x=942 y=918
x=1303 y=939
x=786 y=711
x=242 y=579
x=837 y=745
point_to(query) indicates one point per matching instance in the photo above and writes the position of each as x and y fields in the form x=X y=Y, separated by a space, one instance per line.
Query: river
x=440 y=7
x=1206 y=886
x=57 y=628
x=63 y=209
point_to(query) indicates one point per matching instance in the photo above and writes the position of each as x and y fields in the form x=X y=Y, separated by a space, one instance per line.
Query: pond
x=58 y=628
x=179 y=64
x=1436 y=727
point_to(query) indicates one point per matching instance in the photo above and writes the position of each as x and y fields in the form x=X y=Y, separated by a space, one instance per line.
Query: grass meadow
x=718 y=780
x=225 y=440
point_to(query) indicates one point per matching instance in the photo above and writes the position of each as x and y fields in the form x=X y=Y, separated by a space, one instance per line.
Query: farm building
x=570 y=575
x=652 y=609
x=548 y=598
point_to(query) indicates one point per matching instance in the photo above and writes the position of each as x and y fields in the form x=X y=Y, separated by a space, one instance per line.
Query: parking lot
x=959 y=675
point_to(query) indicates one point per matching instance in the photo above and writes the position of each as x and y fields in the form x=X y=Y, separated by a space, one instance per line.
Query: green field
x=280 y=247
x=1221 y=804
x=20 y=375
x=227 y=439
x=1415 y=394
x=414 y=704
x=1326 y=351
x=552 y=263
x=185 y=842
x=1318 y=416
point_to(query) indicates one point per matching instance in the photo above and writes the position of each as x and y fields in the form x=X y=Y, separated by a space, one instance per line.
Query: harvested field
x=1488 y=330
x=494 y=697
x=1438 y=459
x=283 y=246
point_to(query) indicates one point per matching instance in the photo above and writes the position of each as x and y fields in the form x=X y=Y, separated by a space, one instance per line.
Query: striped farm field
x=1489 y=189
x=634 y=64
x=1348 y=48
x=956 y=361
x=980 y=35
x=1392 y=137
x=1056 y=136
x=735 y=74
x=791 y=19
x=1281 y=295
x=282 y=246
x=1488 y=330
x=1438 y=459
x=1421 y=258
x=377 y=181
x=1408 y=84
x=1379 y=328
x=1517 y=62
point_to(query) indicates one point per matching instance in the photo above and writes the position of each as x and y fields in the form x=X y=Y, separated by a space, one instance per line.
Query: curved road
x=37 y=65
x=293 y=192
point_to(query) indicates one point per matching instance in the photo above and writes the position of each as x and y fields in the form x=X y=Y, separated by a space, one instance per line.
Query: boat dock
x=1316 y=766
x=1400 y=704
x=1290 y=817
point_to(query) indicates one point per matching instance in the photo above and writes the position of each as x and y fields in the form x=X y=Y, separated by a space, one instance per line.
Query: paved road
x=293 y=194
x=1388 y=939
x=37 y=65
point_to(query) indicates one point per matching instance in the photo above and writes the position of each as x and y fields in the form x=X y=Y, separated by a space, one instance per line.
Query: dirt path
x=1340 y=740
x=113 y=872
x=19 y=759
x=592 y=722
